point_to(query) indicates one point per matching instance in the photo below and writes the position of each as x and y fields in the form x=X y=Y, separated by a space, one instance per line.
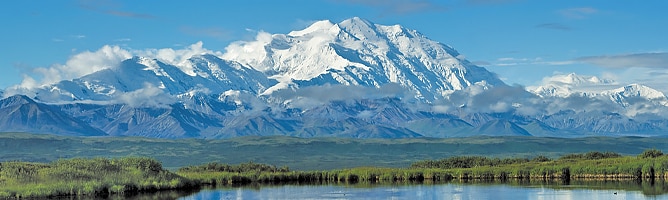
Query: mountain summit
x=354 y=78
x=359 y=52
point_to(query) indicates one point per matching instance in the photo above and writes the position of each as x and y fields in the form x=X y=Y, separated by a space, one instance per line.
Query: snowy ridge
x=149 y=78
x=569 y=84
x=348 y=79
x=564 y=86
x=624 y=94
x=358 y=52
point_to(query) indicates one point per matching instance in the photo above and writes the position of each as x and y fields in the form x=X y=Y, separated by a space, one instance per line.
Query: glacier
x=354 y=79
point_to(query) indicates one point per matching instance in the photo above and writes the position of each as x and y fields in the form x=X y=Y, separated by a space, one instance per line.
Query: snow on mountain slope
x=564 y=86
x=626 y=94
x=347 y=79
x=358 y=52
x=140 y=80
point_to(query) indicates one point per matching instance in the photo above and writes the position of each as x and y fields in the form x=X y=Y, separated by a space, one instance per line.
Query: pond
x=450 y=190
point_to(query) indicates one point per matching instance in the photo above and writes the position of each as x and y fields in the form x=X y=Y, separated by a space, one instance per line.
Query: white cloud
x=509 y=61
x=78 y=65
x=251 y=53
x=109 y=56
x=645 y=60
x=178 y=57
x=148 y=96
x=313 y=96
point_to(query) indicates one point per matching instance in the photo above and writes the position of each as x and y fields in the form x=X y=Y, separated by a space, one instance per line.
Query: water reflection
x=456 y=189
x=172 y=194
x=449 y=190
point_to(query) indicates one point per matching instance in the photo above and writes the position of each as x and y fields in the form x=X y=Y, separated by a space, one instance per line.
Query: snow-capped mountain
x=626 y=95
x=147 y=79
x=348 y=79
x=564 y=86
x=358 y=52
x=569 y=84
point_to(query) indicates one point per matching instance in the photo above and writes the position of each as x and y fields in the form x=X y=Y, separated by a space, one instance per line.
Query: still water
x=590 y=191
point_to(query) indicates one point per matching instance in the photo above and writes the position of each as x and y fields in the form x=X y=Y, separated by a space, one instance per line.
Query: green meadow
x=102 y=177
x=36 y=165
x=309 y=153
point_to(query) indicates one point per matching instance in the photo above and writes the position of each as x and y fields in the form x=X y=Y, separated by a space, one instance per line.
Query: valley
x=321 y=153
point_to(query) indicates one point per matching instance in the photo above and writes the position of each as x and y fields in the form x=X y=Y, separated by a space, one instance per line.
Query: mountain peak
x=361 y=29
x=356 y=21
x=358 y=52
x=16 y=100
x=576 y=79
x=318 y=26
x=564 y=85
x=638 y=90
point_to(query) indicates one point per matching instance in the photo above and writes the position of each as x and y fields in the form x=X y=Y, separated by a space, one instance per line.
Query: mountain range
x=348 y=79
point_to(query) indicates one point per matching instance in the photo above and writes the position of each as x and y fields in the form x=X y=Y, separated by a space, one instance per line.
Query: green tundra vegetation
x=122 y=176
x=86 y=177
x=650 y=164
x=309 y=153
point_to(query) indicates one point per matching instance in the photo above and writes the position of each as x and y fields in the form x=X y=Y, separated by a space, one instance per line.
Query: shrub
x=651 y=153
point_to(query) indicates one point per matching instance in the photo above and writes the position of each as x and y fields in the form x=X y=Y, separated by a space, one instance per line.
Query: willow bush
x=98 y=176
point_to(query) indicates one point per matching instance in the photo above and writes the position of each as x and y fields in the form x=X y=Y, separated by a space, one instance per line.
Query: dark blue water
x=426 y=191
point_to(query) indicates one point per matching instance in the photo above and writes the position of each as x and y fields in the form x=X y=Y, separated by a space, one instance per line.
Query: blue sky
x=522 y=41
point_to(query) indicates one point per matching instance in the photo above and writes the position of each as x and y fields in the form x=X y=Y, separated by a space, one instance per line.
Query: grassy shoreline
x=121 y=176
x=87 y=177
x=651 y=164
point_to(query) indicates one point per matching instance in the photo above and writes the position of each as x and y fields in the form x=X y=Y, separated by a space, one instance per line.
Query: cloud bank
x=646 y=60
x=147 y=96
x=109 y=57
x=398 y=7
x=178 y=57
x=251 y=53
x=314 y=96
x=78 y=65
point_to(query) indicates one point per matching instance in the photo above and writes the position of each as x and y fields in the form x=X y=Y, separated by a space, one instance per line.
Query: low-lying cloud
x=251 y=53
x=78 y=65
x=313 y=96
x=109 y=56
x=147 y=96
x=178 y=57
x=646 y=60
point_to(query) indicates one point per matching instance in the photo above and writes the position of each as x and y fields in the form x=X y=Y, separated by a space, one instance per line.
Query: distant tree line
x=594 y=155
x=480 y=161
x=473 y=161
x=240 y=168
